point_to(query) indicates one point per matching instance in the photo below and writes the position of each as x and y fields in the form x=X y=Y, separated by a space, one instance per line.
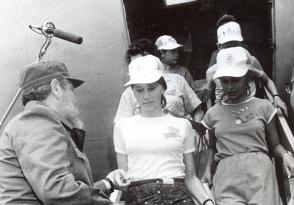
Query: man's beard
x=72 y=113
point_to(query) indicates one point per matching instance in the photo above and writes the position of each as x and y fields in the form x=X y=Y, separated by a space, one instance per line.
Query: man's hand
x=119 y=178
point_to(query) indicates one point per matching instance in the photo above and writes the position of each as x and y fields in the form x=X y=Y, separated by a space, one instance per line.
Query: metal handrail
x=287 y=140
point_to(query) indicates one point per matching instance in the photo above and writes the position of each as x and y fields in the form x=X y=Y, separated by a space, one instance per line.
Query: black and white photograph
x=146 y=102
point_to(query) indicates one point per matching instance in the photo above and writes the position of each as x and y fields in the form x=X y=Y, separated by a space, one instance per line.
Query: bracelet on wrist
x=207 y=200
x=276 y=95
x=111 y=184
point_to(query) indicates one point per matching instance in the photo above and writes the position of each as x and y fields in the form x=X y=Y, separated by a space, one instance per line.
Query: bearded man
x=41 y=149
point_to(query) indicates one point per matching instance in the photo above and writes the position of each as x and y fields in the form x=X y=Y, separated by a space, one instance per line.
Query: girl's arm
x=278 y=150
x=207 y=176
x=122 y=161
x=193 y=184
x=270 y=85
x=198 y=114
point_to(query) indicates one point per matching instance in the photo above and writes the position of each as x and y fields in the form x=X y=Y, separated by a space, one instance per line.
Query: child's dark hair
x=133 y=50
x=225 y=19
x=142 y=46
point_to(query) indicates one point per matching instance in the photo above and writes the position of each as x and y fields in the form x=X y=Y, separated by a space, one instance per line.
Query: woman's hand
x=207 y=177
x=279 y=103
x=288 y=162
x=291 y=202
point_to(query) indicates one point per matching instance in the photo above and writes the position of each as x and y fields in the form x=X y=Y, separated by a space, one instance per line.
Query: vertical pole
x=10 y=107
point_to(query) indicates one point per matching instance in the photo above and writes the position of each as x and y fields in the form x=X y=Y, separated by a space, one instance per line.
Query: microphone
x=66 y=36
x=48 y=29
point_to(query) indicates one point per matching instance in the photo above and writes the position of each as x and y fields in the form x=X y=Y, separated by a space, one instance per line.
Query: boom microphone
x=48 y=29
x=66 y=36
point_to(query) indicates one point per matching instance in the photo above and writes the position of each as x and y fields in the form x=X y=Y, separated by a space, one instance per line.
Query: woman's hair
x=162 y=82
x=163 y=101
x=231 y=44
x=142 y=46
x=41 y=92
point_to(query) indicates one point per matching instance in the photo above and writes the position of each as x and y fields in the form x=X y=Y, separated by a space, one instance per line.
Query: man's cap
x=166 y=42
x=232 y=62
x=144 y=70
x=230 y=31
x=41 y=73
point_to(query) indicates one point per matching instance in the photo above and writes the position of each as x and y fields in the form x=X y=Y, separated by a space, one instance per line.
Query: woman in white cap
x=245 y=131
x=182 y=101
x=155 y=148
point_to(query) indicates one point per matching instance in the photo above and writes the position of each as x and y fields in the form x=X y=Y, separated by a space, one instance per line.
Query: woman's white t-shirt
x=154 y=146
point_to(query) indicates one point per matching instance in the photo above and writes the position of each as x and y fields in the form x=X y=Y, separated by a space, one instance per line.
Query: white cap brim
x=144 y=80
x=170 y=46
x=235 y=72
x=230 y=38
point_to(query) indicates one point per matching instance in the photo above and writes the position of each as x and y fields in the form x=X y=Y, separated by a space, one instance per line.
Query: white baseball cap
x=232 y=62
x=230 y=31
x=166 y=42
x=145 y=69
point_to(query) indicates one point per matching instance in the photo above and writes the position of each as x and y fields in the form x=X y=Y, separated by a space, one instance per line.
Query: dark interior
x=151 y=19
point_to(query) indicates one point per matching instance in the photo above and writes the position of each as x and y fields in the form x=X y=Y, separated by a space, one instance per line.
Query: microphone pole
x=48 y=30
x=10 y=107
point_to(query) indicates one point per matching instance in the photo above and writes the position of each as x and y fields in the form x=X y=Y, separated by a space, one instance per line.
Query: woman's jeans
x=157 y=191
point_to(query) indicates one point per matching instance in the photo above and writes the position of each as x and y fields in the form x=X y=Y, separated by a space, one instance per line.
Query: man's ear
x=56 y=88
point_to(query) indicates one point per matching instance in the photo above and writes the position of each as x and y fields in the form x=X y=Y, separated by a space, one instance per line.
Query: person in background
x=244 y=130
x=169 y=55
x=41 y=149
x=229 y=35
x=154 y=147
x=289 y=90
x=140 y=47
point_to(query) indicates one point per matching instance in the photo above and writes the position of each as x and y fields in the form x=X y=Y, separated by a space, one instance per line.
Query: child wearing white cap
x=155 y=148
x=169 y=54
x=229 y=35
x=244 y=130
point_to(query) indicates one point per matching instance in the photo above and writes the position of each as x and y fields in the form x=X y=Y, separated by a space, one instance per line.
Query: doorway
x=194 y=26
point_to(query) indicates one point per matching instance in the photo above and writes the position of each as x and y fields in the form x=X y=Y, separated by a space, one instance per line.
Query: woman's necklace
x=237 y=114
